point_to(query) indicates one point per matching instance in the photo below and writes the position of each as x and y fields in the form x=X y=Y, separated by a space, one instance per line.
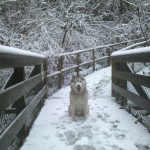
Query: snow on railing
x=136 y=51
x=134 y=45
x=6 y=50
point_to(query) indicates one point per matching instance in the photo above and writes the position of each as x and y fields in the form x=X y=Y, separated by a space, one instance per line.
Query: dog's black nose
x=78 y=88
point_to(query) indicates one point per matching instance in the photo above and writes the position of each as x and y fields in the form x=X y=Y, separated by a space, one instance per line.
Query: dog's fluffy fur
x=78 y=97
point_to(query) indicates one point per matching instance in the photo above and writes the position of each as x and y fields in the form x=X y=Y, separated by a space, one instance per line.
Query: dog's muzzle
x=78 y=88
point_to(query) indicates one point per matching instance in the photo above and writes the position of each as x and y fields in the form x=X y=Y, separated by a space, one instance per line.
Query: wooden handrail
x=99 y=47
x=132 y=56
x=18 y=58
x=121 y=74
x=108 y=50
x=17 y=87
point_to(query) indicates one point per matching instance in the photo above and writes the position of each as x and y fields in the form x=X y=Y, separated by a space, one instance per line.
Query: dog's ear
x=74 y=75
x=81 y=77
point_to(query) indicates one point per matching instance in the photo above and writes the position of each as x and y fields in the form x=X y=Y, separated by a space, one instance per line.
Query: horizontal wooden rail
x=53 y=74
x=13 y=93
x=134 y=45
x=105 y=57
x=99 y=47
x=138 y=100
x=87 y=62
x=69 y=68
x=134 y=78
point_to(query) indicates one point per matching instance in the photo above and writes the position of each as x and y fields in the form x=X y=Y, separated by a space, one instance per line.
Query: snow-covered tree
x=56 y=26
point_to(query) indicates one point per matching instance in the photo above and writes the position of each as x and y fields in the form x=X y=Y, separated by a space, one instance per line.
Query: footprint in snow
x=60 y=136
x=142 y=147
x=54 y=123
x=114 y=125
x=54 y=114
x=106 y=135
x=104 y=117
x=99 y=116
x=120 y=136
x=85 y=131
x=114 y=147
x=84 y=147
x=46 y=137
x=71 y=138
x=60 y=127
x=63 y=127
x=93 y=120
x=58 y=108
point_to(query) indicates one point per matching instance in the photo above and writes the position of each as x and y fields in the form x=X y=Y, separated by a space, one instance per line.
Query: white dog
x=78 y=97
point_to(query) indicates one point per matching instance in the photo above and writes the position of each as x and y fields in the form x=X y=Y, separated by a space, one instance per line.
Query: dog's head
x=78 y=84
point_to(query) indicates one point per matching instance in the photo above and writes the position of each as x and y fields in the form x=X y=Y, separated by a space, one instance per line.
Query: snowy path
x=107 y=127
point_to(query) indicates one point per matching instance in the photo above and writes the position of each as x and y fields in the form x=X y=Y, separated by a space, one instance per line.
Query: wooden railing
x=107 y=49
x=25 y=96
x=77 y=66
x=122 y=74
x=13 y=94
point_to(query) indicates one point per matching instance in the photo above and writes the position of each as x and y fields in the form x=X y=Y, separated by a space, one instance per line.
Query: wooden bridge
x=22 y=96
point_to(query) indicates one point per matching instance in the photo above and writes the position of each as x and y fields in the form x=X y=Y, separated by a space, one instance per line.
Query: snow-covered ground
x=106 y=128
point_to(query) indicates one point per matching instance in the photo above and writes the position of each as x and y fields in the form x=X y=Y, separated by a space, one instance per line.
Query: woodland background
x=57 y=26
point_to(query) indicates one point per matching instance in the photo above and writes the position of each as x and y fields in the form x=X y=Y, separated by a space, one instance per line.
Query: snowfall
x=107 y=127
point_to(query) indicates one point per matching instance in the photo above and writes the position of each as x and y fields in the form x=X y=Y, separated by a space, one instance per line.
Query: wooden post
x=36 y=70
x=93 y=59
x=45 y=80
x=60 y=76
x=113 y=67
x=78 y=62
x=18 y=77
x=20 y=104
x=109 y=53
x=122 y=83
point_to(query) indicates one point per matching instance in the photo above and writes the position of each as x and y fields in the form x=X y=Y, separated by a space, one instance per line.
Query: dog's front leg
x=69 y=110
x=73 y=114
x=85 y=112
